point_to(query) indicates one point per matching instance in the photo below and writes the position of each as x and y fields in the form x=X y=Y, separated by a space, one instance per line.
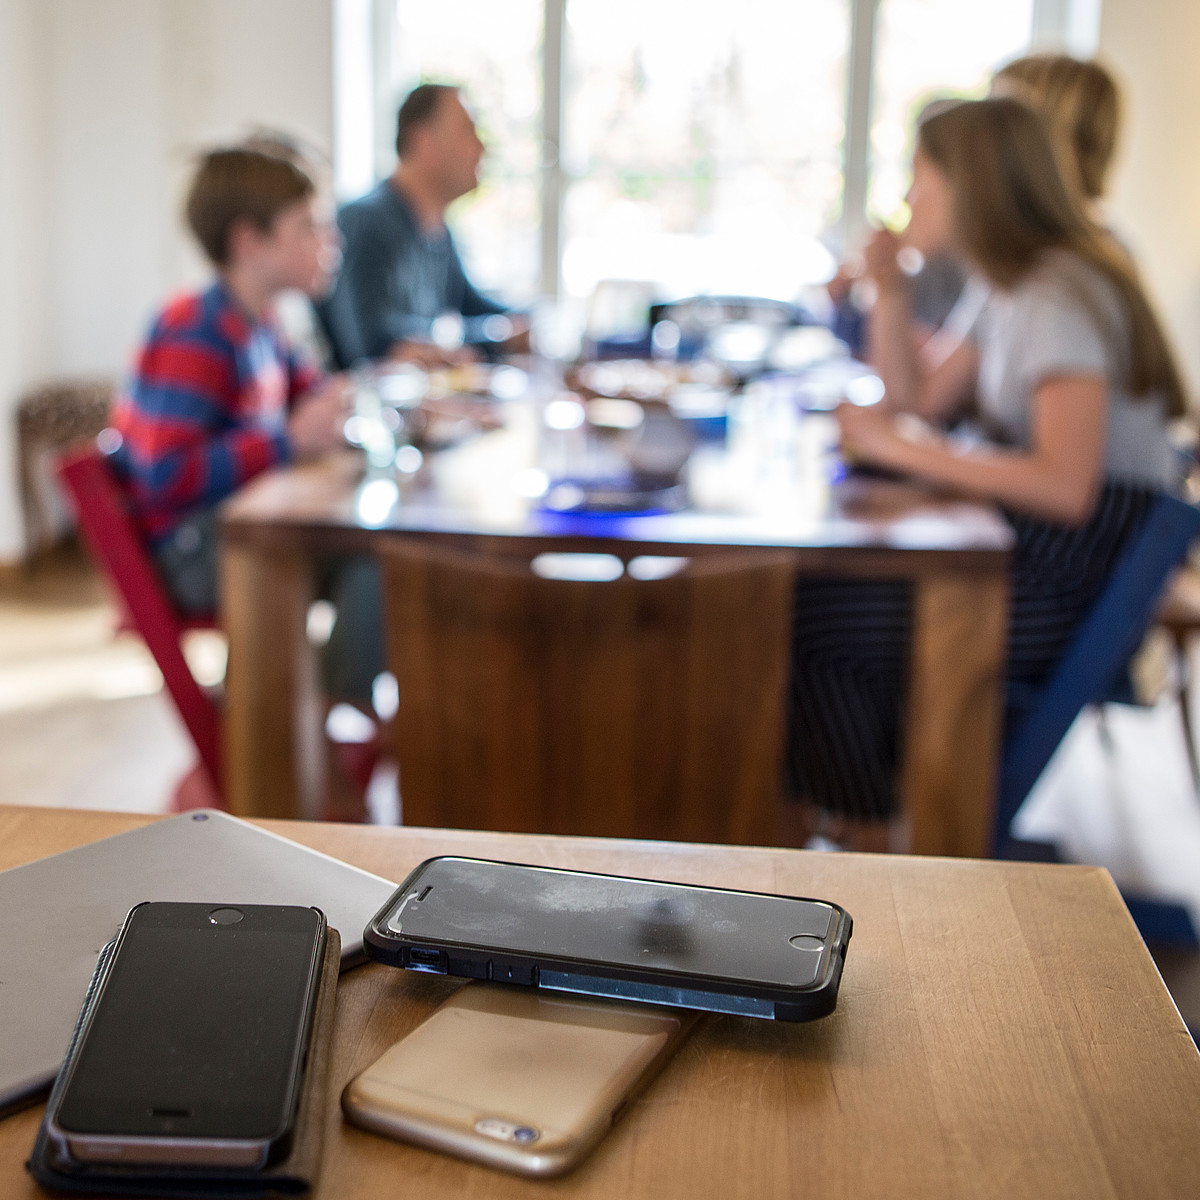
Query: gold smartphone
x=515 y=1078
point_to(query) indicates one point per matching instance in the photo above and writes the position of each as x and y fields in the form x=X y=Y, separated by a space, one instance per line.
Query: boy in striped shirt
x=218 y=395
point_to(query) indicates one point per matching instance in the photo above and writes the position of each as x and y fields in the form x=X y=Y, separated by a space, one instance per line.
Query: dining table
x=773 y=480
x=1001 y=1031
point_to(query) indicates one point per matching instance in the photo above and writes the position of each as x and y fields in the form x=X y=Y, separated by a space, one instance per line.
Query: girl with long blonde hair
x=1081 y=105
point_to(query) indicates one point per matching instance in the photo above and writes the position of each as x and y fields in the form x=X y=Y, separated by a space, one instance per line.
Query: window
x=925 y=49
x=702 y=142
x=700 y=145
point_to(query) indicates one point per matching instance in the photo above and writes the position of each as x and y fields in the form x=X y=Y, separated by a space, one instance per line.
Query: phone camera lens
x=525 y=1135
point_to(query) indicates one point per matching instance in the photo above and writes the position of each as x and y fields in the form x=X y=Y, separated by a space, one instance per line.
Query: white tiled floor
x=79 y=754
x=1132 y=809
x=83 y=721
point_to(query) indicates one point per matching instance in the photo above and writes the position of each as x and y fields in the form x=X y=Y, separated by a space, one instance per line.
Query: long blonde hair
x=1011 y=205
x=1082 y=106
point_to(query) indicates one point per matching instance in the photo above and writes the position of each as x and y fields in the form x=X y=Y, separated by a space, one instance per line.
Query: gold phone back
x=493 y=1061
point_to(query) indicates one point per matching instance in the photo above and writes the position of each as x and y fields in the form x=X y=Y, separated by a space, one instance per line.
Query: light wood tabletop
x=279 y=530
x=1001 y=1032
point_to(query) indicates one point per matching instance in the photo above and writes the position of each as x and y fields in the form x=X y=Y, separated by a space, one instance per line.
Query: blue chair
x=1091 y=672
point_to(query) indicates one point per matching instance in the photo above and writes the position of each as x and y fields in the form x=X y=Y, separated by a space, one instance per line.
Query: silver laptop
x=57 y=913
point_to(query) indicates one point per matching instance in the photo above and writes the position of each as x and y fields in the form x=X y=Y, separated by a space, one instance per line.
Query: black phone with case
x=714 y=949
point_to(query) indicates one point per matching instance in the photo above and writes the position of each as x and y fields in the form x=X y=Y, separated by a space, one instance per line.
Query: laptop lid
x=58 y=912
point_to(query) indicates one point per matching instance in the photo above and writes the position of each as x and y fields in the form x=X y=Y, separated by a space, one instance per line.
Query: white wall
x=106 y=193
x=1154 y=48
x=137 y=86
x=102 y=104
x=23 y=342
x=241 y=64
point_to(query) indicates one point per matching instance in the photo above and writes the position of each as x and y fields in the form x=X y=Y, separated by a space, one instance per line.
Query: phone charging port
x=421 y=959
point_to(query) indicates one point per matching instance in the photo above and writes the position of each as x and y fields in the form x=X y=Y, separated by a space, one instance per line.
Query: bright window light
x=578 y=568
x=703 y=142
x=926 y=49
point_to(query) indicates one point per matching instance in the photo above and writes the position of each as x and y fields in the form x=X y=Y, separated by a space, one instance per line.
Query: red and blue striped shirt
x=206 y=409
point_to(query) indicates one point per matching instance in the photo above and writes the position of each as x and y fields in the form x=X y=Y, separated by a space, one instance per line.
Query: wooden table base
x=276 y=530
x=274 y=709
x=955 y=712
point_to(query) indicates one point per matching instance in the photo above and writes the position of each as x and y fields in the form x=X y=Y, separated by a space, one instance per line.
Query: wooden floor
x=83 y=724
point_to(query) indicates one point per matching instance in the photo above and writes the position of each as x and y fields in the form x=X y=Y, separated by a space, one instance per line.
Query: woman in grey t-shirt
x=1074 y=384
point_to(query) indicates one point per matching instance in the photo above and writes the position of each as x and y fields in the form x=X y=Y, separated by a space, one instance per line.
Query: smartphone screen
x=202 y=1024
x=539 y=912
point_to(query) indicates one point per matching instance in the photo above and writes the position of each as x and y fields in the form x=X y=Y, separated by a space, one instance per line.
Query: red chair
x=114 y=542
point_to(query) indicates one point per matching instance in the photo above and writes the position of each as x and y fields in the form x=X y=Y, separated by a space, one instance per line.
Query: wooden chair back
x=633 y=707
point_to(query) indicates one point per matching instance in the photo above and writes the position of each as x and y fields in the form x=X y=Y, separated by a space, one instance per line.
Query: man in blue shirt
x=401 y=271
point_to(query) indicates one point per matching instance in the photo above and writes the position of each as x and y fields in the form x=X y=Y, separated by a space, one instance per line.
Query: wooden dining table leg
x=275 y=754
x=955 y=711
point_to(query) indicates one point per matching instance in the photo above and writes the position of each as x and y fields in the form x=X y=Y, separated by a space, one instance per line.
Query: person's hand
x=868 y=435
x=518 y=341
x=881 y=261
x=882 y=438
x=847 y=275
x=430 y=357
x=319 y=417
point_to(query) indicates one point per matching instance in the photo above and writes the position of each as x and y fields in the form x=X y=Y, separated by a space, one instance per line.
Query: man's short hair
x=419 y=108
x=254 y=181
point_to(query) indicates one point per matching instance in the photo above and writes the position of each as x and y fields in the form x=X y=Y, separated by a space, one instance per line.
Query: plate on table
x=642 y=379
x=626 y=494
x=486 y=381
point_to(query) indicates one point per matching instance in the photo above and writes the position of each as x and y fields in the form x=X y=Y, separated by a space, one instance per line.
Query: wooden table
x=956 y=554
x=1001 y=1031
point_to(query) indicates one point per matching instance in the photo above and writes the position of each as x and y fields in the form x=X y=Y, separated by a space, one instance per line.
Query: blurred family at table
x=218 y=395
x=1043 y=337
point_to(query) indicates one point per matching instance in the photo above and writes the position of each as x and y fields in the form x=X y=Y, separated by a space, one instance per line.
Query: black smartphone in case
x=194 y=1050
x=715 y=949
